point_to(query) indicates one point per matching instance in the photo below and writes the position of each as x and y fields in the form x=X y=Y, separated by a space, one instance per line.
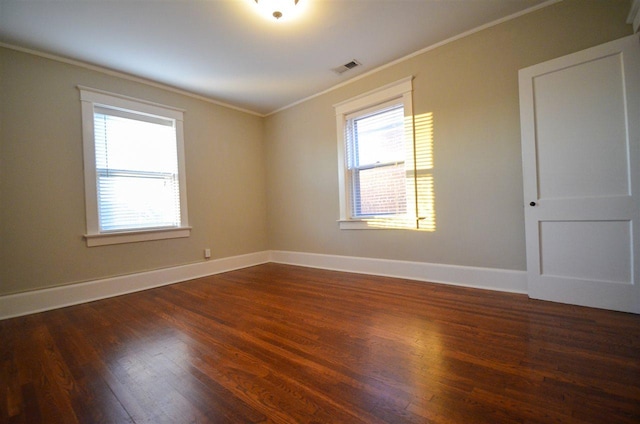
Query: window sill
x=136 y=236
x=377 y=224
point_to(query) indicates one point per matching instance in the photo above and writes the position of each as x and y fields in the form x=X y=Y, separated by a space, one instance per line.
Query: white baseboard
x=482 y=278
x=19 y=304
x=30 y=302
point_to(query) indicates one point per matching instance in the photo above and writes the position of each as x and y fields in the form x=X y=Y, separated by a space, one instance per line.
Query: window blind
x=137 y=170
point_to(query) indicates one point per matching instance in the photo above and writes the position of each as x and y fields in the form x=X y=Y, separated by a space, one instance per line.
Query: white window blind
x=136 y=170
x=375 y=145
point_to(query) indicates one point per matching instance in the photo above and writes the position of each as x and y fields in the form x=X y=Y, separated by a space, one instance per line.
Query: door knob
x=532 y=204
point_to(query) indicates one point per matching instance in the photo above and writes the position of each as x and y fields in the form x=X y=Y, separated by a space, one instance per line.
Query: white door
x=580 y=119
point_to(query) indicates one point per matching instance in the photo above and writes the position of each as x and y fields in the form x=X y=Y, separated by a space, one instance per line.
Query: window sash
x=372 y=199
x=131 y=198
x=377 y=185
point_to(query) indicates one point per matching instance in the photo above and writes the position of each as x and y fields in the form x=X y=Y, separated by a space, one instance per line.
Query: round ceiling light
x=277 y=8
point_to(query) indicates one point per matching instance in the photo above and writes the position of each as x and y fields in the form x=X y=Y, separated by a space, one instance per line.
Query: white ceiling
x=225 y=51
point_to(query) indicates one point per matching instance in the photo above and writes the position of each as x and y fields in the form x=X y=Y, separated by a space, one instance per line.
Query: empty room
x=320 y=211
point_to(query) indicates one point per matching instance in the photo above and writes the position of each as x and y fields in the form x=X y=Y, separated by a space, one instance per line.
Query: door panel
x=580 y=147
x=598 y=250
x=587 y=125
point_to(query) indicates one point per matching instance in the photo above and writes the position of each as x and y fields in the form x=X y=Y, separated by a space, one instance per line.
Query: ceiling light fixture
x=276 y=8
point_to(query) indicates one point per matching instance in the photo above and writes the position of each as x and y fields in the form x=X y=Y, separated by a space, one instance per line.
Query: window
x=380 y=183
x=134 y=169
x=376 y=161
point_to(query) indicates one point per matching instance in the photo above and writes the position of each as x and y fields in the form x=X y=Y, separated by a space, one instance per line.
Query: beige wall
x=42 y=189
x=471 y=87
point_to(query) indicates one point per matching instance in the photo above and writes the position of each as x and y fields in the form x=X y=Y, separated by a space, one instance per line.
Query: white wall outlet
x=207 y=253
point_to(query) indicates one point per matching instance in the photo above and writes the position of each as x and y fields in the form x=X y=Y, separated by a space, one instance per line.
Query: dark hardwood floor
x=284 y=344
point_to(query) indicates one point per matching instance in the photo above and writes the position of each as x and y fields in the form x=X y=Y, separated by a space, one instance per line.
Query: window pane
x=137 y=202
x=380 y=191
x=379 y=137
x=375 y=139
x=137 y=171
x=123 y=143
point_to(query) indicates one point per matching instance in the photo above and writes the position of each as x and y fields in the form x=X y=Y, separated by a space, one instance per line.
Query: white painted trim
x=30 y=302
x=104 y=239
x=376 y=96
x=102 y=97
x=482 y=278
x=634 y=15
x=19 y=304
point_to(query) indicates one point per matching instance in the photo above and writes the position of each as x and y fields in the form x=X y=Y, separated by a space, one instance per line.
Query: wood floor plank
x=285 y=344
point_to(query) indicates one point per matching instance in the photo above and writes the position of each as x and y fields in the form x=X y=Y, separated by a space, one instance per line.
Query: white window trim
x=401 y=89
x=90 y=97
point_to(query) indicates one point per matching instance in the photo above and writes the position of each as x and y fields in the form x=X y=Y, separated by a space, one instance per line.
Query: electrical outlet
x=207 y=253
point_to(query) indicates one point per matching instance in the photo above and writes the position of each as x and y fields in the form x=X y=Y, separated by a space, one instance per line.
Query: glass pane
x=379 y=138
x=380 y=191
x=135 y=202
x=130 y=144
x=137 y=166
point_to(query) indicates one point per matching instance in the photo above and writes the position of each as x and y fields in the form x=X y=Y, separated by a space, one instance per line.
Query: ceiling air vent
x=347 y=66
